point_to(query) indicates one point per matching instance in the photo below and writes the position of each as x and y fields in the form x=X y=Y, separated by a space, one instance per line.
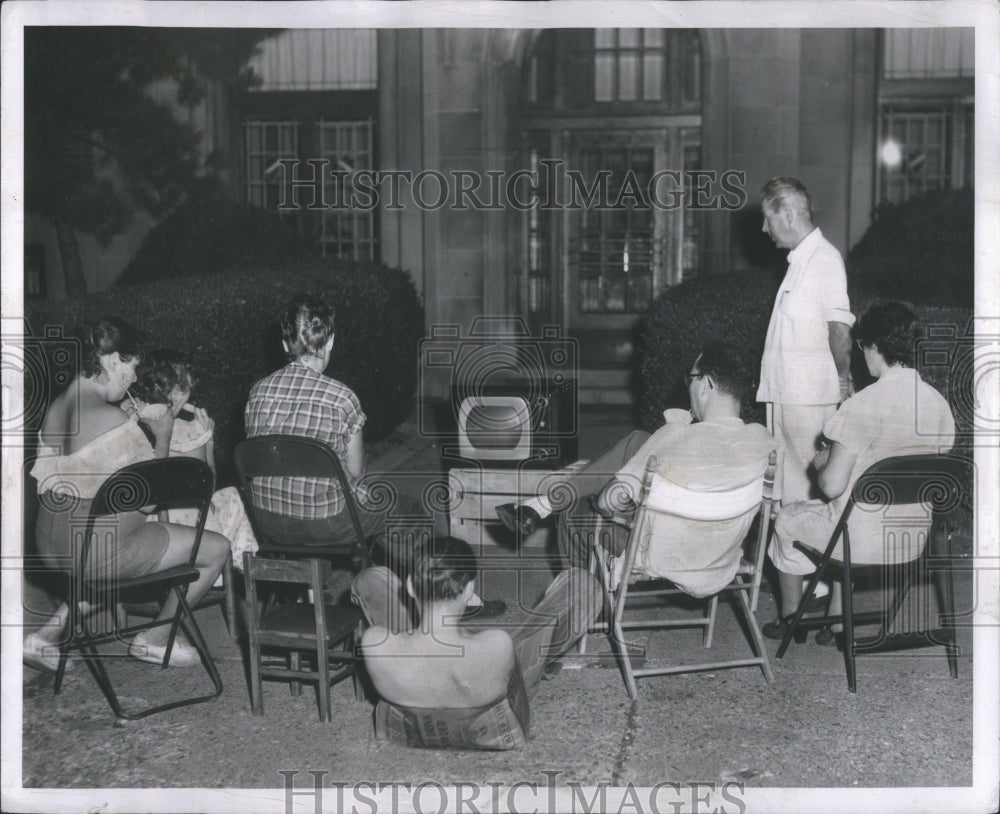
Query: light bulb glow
x=891 y=154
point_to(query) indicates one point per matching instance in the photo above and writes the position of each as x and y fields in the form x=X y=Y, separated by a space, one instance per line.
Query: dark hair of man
x=105 y=336
x=893 y=328
x=307 y=324
x=728 y=367
x=783 y=191
x=160 y=371
x=442 y=570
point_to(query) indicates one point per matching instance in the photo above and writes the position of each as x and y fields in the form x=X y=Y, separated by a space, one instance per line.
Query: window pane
x=629 y=37
x=653 y=38
x=614 y=295
x=604 y=37
x=652 y=76
x=604 y=73
x=628 y=77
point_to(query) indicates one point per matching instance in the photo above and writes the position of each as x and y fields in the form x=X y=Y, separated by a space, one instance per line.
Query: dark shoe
x=817 y=604
x=827 y=636
x=522 y=519
x=490 y=609
x=777 y=628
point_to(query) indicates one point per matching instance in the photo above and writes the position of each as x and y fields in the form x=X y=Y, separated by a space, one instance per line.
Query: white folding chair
x=659 y=496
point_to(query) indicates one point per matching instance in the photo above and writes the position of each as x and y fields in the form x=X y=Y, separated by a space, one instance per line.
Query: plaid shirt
x=297 y=400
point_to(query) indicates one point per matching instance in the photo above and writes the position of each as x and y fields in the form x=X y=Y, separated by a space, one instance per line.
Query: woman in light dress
x=166 y=379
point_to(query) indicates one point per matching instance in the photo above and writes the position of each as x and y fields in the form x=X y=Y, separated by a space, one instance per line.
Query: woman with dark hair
x=85 y=438
x=166 y=379
x=899 y=414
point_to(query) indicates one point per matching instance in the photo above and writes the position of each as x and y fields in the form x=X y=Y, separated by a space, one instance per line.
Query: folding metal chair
x=659 y=497
x=295 y=456
x=299 y=627
x=166 y=483
x=933 y=481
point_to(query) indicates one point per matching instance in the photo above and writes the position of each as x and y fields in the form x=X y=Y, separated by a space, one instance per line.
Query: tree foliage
x=103 y=137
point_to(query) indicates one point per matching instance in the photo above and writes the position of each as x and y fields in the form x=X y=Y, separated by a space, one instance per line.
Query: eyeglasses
x=690 y=377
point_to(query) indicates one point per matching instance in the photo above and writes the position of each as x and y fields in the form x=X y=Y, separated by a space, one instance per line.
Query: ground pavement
x=909 y=724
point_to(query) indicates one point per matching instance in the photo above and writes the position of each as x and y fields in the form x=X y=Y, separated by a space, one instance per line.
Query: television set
x=517 y=423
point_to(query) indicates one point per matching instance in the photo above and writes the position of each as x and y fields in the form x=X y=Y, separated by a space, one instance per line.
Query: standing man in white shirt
x=805 y=368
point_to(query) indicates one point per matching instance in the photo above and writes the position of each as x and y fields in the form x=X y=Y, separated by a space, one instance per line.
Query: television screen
x=494 y=427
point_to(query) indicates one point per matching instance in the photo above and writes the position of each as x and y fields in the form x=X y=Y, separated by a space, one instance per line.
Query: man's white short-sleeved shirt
x=797 y=366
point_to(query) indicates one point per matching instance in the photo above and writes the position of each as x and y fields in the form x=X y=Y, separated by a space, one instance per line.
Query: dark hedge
x=228 y=323
x=737 y=309
x=208 y=234
x=920 y=249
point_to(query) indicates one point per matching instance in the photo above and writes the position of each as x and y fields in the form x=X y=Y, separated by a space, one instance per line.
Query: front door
x=616 y=247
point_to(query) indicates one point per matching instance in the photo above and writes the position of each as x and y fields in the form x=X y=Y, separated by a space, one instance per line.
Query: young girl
x=165 y=379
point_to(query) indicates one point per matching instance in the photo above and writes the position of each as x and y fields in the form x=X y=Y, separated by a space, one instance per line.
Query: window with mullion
x=630 y=65
x=265 y=144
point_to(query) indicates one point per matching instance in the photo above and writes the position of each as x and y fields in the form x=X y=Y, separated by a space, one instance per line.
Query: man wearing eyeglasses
x=708 y=449
x=805 y=368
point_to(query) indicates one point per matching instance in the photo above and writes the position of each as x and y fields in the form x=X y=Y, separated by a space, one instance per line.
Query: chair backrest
x=664 y=496
x=934 y=480
x=299 y=572
x=732 y=509
x=297 y=457
x=165 y=483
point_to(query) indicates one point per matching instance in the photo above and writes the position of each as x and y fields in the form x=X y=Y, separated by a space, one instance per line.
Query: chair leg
x=946 y=580
x=792 y=630
x=295 y=663
x=86 y=643
x=618 y=639
x=898 y=596
x=756 y=636
x=713 y=605
x=256 y=687
x=847 y=592
x=323 y=684
x=228 y=585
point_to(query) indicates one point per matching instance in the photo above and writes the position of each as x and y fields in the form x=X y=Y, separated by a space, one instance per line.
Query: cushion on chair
x=299 y=618
x=501 y=725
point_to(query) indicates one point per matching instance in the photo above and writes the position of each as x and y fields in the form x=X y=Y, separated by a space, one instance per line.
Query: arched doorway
x=612 y=121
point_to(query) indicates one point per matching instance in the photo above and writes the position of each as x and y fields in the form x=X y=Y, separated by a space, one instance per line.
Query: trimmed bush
x=737 y=309
x=921 y=248
x=734 y=308
x=209 y=233
x=228 y=323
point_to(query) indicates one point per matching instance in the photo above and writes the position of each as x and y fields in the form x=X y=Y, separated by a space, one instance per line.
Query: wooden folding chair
x=167 y=483
x=658 y=496
x=933 y=481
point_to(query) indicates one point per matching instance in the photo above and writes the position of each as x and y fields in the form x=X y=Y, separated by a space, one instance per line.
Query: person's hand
x=846 y=387
x=201 y=416
x=820 y=458
x=163 y=429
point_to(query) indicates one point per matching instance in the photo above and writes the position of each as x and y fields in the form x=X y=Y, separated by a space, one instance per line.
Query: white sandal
x=41 y=654
x=182 y=655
